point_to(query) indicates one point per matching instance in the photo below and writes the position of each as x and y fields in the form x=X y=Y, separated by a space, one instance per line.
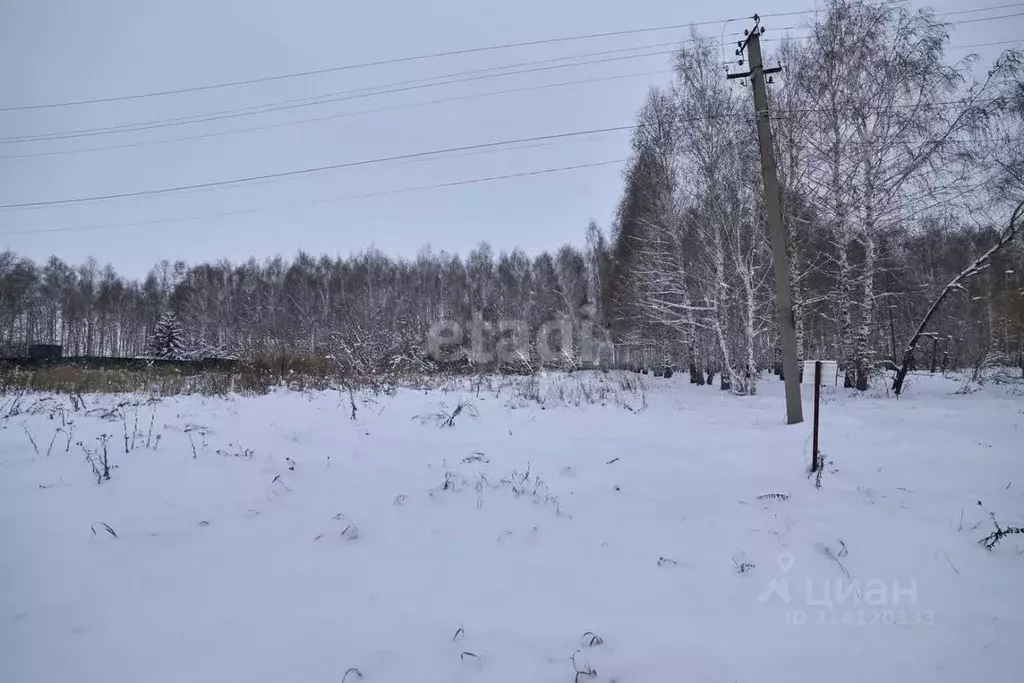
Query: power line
x=1014 y=41
x=900 y=2
x=924 y=141
x=256 y=210
x=423 y=154
x=893 y=3
x=304 y=171
x=990 y=8
x=888 y=107
x=304 y=102
x=285 y=174
x=434 y=55
x=975 y=21
x=418 y=188
x=996 y=42
x=458 y=98
x=401 y=86
x=341 y=115
x=363 y=65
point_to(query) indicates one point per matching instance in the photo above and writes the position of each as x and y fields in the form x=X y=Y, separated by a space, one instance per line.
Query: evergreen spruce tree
x=167 y=341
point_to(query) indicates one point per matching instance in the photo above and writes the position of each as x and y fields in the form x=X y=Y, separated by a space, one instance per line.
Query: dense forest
x=898 y=165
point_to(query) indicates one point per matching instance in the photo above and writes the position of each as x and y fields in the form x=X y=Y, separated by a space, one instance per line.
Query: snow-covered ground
x=274 y=539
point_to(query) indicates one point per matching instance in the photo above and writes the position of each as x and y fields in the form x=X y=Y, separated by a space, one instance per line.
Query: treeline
x=368 y=309
x=381 y=308
x=898 y=168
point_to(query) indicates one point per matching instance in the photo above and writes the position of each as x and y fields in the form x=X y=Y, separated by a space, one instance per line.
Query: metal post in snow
x=815 y=458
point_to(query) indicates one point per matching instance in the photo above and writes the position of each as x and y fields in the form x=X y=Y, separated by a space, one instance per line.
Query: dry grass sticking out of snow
x=585 y=527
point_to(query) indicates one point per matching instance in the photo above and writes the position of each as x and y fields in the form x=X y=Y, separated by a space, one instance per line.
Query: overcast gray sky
x=66 y=50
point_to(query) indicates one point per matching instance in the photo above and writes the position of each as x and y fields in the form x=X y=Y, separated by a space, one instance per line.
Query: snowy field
x=575 y=524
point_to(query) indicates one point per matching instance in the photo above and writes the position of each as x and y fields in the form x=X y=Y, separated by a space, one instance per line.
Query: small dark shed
x=46 y=351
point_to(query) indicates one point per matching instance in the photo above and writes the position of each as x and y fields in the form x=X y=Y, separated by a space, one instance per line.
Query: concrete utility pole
x=780 y=255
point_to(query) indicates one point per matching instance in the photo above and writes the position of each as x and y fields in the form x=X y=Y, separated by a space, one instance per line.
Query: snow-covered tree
x=167 y=342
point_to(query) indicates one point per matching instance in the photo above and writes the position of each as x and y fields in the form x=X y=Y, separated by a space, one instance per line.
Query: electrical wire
x=304 y=171
x=414 y=155
x=383 y=193
x=439 y=152
x=363 y=65
x=287 y=105
x=392 y=88
x=458 y=98
x=224 y=214
x=341 y=115
x=448 y=53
